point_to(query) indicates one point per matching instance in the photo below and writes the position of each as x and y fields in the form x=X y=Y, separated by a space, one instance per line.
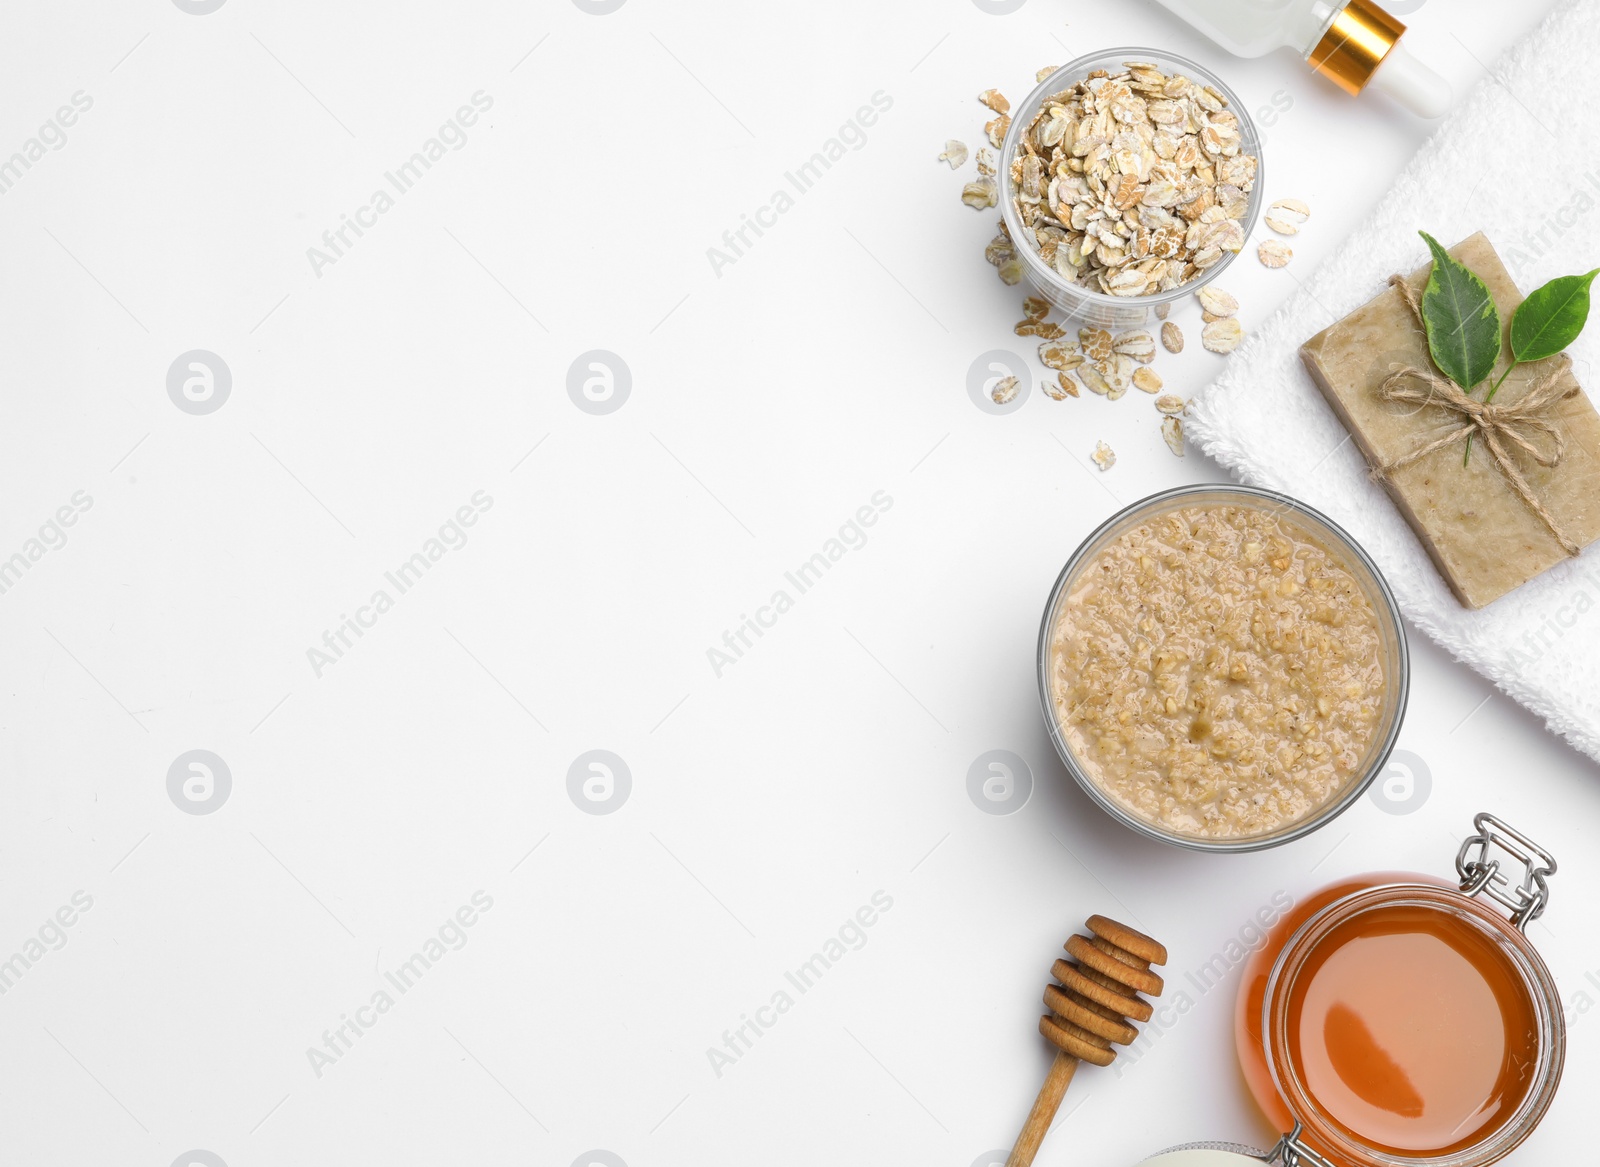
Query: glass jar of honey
x=1399 y=1020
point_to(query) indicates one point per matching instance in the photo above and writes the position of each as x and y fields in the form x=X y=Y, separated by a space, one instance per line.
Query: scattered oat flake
x=1011 y=272
x=1172 y=434
x=1146 y=380
x=1036 y=308
x=1172 y=337
x=1118 y=370
x=1047 y=330
x=955 y=153
x=1287 y=216
x=1061 y=388
x=1136 y=343
x=1094 y=380
x=1005 y=390
x=986 y=161
x=1104 y=456
x=1162 y=311
x=1096 y=343
x=980 y=195
x=995 y=100
x=1217 y=302
x=1170 y=404
x=1045 y=72
x=1274 y=254
x=1063 y=355
x=996 y=130
x=1222 y=336
x=999 y=250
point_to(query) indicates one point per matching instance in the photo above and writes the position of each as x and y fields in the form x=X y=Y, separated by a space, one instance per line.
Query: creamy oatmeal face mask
x=1222 y=668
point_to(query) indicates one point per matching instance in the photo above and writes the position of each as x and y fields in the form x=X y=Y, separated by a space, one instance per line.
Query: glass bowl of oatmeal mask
x=1128 y=179
x=1222 y=668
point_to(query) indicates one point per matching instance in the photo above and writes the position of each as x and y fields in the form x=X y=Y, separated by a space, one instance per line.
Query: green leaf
x=1551 y=318
x=1461 y=320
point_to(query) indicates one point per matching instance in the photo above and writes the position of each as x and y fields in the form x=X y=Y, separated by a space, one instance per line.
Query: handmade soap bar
x=1484 y=538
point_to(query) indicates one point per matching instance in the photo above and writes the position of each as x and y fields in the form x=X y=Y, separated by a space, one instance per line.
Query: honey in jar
x=1395 y=1017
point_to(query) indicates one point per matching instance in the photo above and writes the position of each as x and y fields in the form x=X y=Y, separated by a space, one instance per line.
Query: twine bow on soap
x=1523 y=424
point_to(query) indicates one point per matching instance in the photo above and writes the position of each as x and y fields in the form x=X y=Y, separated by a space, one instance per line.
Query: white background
x=768 y=403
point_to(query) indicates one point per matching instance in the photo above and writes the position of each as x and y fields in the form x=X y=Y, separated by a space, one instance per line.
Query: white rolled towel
x=1267 y=422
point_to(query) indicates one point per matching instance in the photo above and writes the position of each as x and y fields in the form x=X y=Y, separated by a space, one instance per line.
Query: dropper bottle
x=1355 y=45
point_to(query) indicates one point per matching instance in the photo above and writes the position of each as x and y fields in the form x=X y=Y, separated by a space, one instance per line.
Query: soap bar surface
x=1482 y=536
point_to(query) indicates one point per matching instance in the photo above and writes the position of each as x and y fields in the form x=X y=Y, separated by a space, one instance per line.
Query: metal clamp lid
x=1480 y=869
x=1211 y=1154
x=1291 y=1152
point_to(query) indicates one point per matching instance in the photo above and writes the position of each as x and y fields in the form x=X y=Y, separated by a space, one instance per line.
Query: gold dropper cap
x=1355 y=44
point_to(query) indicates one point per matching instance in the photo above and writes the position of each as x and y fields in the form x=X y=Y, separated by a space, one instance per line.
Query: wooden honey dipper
x=1090 y=1009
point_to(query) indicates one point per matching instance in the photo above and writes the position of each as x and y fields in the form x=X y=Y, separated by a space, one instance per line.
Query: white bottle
x=1352 y=44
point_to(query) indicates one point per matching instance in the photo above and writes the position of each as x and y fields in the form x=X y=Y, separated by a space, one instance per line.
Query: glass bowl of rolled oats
x=1128 y=178
x=1223 y=668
